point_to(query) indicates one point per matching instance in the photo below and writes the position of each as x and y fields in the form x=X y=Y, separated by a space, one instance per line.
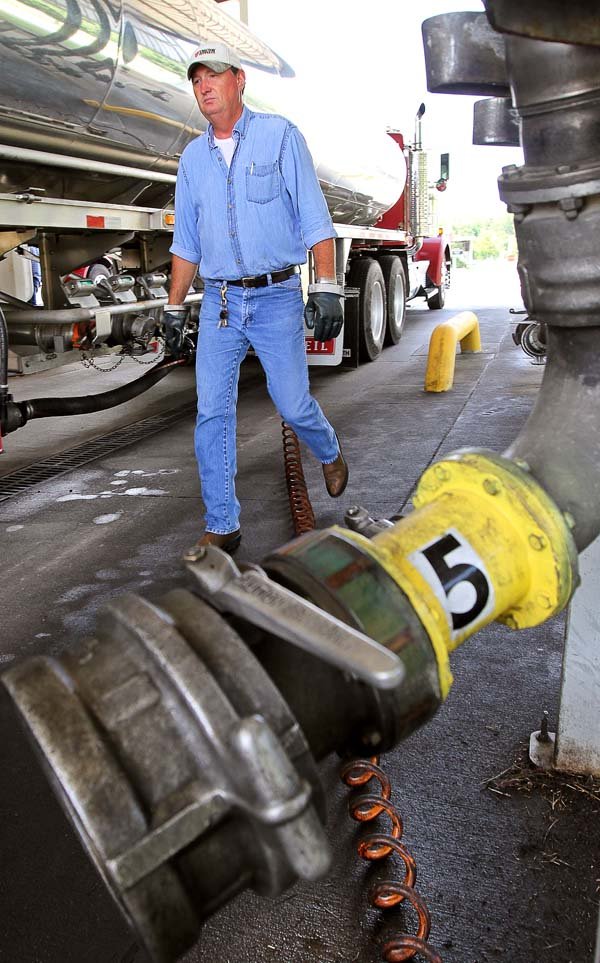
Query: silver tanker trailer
x=96 y=110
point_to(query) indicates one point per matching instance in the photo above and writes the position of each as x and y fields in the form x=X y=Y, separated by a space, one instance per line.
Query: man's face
x=218 y=95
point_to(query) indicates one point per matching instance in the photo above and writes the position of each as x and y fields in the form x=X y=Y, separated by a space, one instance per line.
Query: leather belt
x=262 y=280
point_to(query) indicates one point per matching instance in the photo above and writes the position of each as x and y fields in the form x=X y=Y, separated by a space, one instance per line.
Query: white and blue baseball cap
x=218 y=56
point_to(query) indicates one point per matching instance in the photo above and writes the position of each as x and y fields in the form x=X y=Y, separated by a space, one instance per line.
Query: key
x=223 y=313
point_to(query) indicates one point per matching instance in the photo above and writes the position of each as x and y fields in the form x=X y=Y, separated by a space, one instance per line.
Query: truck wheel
x=395 y=291
x=437 y=300
x=367 y=276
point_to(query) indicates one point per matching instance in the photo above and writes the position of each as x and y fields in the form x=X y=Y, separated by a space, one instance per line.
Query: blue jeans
x=270 y=319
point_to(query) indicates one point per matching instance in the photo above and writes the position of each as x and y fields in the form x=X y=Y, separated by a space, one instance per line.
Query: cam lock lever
x=255 y=597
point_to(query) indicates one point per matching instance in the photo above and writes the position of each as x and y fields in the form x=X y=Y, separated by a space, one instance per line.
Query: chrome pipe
x=77 y=315
x=41 y=336
x=42 y=316
x=23 y=155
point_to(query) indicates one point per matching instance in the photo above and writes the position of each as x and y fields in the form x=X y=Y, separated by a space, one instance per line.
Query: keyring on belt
x=223 y=313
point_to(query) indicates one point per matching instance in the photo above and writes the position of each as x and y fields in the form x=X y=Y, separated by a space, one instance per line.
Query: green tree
x=493 y=237
x=488 y=244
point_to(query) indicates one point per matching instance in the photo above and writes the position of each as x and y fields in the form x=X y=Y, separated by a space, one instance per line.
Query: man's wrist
x=326 y=287
x=174 y=307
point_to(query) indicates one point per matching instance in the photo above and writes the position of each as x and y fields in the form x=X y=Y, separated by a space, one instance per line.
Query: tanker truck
x=96 y=110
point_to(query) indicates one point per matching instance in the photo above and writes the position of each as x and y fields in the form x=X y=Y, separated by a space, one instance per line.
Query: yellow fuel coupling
x=484 y=543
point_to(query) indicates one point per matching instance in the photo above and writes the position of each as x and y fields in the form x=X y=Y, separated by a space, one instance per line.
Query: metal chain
x=158 y=355
x=88 y=361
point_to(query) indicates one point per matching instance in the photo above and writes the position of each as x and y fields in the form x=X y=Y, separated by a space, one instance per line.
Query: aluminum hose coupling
x=179 y=763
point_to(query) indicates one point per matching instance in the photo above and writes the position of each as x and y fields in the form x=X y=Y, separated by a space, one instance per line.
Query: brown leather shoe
x=227 y=543
x=336 y=475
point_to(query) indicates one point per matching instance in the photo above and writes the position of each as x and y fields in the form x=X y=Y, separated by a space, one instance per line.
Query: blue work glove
x=174 y=318
x=324 y=313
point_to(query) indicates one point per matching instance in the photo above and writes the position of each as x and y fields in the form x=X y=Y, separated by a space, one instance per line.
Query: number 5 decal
x=459 y=579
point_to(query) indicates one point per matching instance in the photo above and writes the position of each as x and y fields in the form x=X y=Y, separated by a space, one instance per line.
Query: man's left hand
x=324 y=313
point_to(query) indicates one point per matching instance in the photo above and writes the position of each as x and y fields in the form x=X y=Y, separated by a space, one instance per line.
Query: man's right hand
x=174 y=318
x=324 y=314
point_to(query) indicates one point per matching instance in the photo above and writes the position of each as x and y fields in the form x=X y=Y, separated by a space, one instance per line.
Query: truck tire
x=367 y=276
x=395 y=293
x=437 y=300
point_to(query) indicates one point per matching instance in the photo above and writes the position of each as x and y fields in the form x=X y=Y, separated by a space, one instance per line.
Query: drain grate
x=20 y=481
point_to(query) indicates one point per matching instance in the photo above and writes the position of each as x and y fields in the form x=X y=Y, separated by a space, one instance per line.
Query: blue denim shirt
x=262 y=213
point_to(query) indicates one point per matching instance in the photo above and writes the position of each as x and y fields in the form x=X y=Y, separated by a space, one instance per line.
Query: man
x=248 y=205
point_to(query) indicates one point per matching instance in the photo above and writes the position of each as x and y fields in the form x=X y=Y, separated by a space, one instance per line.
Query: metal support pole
x=578 y=733
x=54 y=296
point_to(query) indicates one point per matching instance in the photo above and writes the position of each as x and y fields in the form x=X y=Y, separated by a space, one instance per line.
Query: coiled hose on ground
x=357 y=772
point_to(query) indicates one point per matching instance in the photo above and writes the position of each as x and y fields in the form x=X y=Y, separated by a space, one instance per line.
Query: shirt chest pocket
x=262 y=182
